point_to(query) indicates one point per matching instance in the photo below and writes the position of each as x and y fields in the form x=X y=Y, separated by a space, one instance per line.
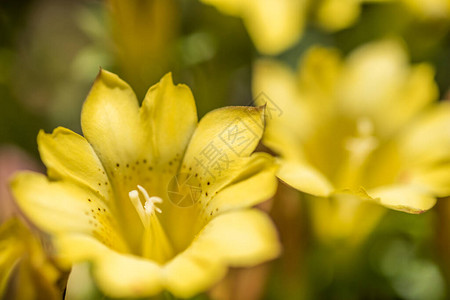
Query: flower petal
x=293 y=102
x=275 y=25
x=11 y=251
x=238 y=238
x=249 y=191
x=23 y=263
x=376 y=74
x=62 y=207
x=182 y=223
x=425 y=151
x=241 y=238
x=335 y=15
x=427 y=141
x=408 y=198
x=275 y=85
x=372 y=74
x=169 y=116
x=434 y=178
x=190 y=273
x=111 y=124
x=110 y=121
x=69 y=156
x=304 y=178
x=222 y=139
x=117 y=275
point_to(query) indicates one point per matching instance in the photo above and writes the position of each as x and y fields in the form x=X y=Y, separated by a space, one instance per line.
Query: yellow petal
x=62 y=207
x=127 y=276
x=190 y=273
x=275 y=85
x=223 y=137
x=293 y=103
x=111 y=124
x=304 y=178
x=69 y=156
x=425 y=151
x=318 y=73
x=344 y=217
x=435 y=178
x=275 y=25
x=241 y=238
x=418 y=91
x=427 y=141
x=250 y=191
x=117 y=275
x=110 y=121
x=338 y=14
x=407 y=198
x=169 y=116
x=250 y=180
x=432 y=9
x=238 y=238
x=372 y=74
x=25 y=270
x=11 y=251
x=379 y=83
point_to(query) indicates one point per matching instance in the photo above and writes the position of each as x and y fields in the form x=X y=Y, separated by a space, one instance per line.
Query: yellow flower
x=339 y=14
x=154 y=200
x=276 y=25
x=367 y=126
x=25 y=270
x=430 y=9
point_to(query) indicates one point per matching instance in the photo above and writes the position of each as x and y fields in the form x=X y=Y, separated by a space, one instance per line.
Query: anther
x=149 y=207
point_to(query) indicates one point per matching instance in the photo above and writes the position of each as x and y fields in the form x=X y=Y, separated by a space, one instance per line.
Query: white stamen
x=363 y=144
x=155 y=243
x=149 y=207
x=144 y=192
x=134 y=197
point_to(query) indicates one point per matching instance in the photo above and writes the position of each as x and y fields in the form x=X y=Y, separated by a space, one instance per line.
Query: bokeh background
x=51 y=51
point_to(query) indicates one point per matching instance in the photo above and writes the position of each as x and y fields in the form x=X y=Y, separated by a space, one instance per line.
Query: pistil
x=359 y=148
x=155 y=244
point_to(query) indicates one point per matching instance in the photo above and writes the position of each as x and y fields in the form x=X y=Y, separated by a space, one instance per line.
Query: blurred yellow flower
x=276 y=25
x=339 y=14
x=366 y=127
x=430 y=9
x=154 y=200
x=25 y=270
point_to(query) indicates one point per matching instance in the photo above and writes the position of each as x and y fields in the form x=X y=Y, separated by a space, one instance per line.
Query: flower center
x=364 y=143
x=359 y=148
x=155 y=244
x=149 y=207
